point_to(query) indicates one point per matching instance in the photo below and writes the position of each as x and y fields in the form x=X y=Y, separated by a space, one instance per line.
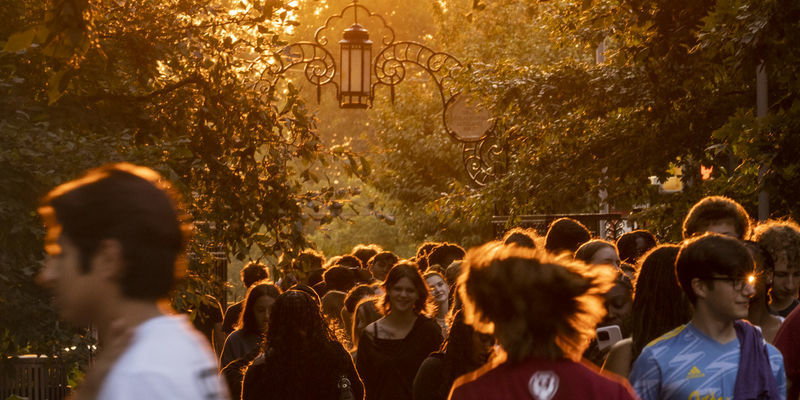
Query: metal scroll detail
x=390 y=69
x=481 y=160
x=320 y=66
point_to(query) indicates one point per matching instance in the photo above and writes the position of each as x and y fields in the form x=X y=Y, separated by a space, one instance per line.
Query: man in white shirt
x=115 y=240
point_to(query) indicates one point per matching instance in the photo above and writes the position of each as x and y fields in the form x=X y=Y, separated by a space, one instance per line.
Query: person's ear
x=108 y=259
x=700 y=288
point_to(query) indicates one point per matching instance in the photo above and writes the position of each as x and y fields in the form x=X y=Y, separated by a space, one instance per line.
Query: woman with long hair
x=252 y=323
x=302 y=359
x=464 y=351
x=659 y=305
x=392 y=348
x=441 y=297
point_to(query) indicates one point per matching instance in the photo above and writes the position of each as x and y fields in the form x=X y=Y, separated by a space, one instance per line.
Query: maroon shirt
x=787 y=340
x=540 y=380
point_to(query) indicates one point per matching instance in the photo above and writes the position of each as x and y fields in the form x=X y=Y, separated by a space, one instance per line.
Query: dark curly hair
x=525 y=237
x=456 y=353
x=406 y=269
x=714 y=209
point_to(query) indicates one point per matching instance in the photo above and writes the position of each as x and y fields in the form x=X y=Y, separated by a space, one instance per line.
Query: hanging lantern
x=356 y=59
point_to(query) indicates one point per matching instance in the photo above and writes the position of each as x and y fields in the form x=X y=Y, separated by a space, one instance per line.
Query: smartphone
x=607 y=336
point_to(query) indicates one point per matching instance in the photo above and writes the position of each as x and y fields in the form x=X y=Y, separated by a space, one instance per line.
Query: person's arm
x=250 y=382
x=218 y=337
x=227 y=355
x=619 y=358
x=645 y=377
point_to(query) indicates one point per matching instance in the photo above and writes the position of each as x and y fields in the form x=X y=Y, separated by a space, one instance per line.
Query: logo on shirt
x=543 y=385
x=695 y=373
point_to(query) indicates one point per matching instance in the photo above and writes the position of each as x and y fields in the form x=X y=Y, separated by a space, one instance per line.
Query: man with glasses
x=716 y=355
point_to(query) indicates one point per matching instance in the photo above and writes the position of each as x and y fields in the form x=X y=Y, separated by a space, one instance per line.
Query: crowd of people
x=560 y=315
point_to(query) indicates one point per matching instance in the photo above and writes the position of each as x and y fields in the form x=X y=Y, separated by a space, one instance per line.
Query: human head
x=347 y=261
x=598 y=251
x=659 y=304
x=401 y=270
x=566 y=234
x=781 y=239
x=444 y=254
x=297 y=323
x=524 y=237
x=465 y=348
x=717 y=214
x=253 y=272
x=257 y=305
x=438 y=288
x=307 y=290
x=364 y=252
x=708 y=256
x=366 y=313
x=421 y=257
x=380 y=264
x=535 y=303
x=308 y=260
x=618 y=304
x=765 y=269
x=119 y=216
x=631 y=245
x=355 y=295
x=339 y=278
x=452 y=272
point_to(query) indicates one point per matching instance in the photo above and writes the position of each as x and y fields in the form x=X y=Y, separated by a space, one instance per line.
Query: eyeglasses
x=737 y=283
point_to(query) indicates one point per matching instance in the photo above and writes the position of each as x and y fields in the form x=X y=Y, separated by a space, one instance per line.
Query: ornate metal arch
x=480 y=155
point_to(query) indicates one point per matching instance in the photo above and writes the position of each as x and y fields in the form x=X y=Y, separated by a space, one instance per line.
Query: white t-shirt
x=167 y=359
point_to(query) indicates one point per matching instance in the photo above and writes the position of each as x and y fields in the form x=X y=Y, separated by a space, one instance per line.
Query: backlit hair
x=406 y=269
x=780 y=236
x=714 y=209
x=535 y=303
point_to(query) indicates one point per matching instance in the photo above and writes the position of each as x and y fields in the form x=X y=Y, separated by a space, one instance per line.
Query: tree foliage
x=168 y=84
x=677 y=87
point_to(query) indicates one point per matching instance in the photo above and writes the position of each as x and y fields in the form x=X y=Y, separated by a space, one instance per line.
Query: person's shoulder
x=472 y=384
x=166 y=341
x=428 y=324
x=666 y=339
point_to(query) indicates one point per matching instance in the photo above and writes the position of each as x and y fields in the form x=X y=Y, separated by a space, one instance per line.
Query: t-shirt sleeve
x=646 y=376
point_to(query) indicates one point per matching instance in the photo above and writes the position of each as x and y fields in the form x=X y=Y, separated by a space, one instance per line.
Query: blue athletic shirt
x=685 y=364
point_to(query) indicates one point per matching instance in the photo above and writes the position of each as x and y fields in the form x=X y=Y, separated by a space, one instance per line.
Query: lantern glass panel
x=345 y=69
x=356 y=54
x=367 y=58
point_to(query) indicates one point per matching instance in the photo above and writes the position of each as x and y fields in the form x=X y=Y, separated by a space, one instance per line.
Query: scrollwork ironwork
x=481 y=159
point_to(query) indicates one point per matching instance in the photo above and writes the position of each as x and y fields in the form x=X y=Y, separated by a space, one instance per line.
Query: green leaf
x=20 y=41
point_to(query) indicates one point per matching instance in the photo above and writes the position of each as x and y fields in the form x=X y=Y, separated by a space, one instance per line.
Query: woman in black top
x=392 y=348
x=302 y=359
x=464 y=351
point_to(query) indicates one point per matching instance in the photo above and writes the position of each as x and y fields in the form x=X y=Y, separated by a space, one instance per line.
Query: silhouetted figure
x=250 y=274
x=302 y=359
x=252 y=323
x=465 y=350
x=566 y=234
x=524 y=237
x=632 y=245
